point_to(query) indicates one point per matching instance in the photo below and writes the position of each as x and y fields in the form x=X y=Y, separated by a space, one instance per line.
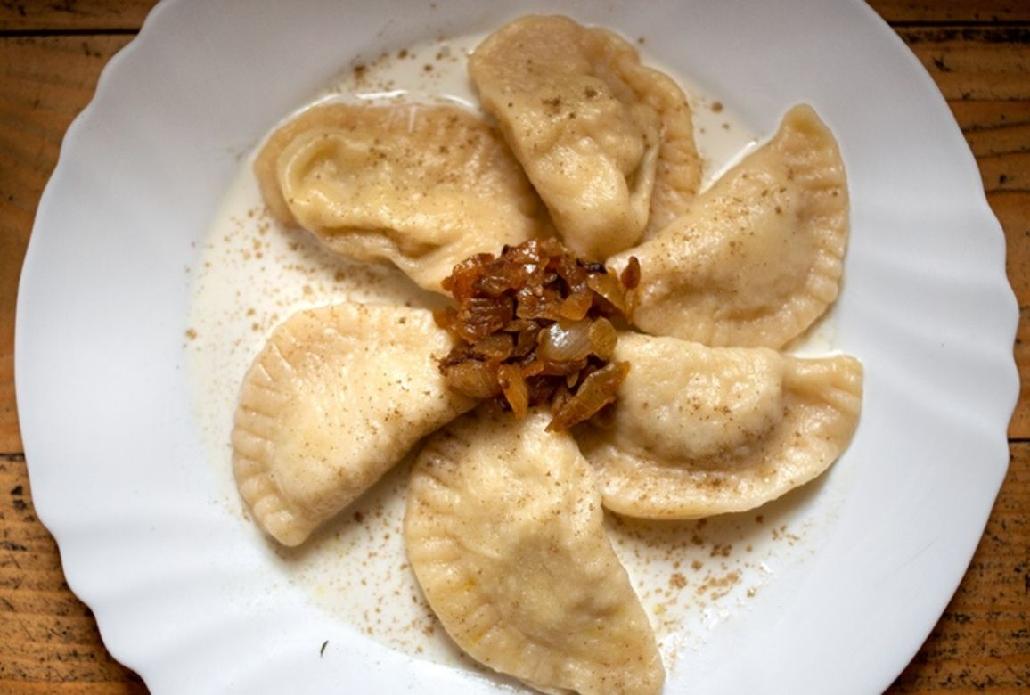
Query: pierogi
x=701 y=431
x=335 y=398
x=758 y=256
x=504 y=533
x=504 y=518
x=422 y=187
x=607 y=142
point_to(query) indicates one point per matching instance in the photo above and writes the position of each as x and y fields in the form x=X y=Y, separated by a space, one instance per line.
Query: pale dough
x=758 y=257
x=335 y=398
x=607 y=142
x=422 y=187
x=504 y=532
x=699 y=431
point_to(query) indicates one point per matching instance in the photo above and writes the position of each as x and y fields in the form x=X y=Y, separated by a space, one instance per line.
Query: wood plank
x=66 y=688
x=36 y=107
x=75 y=15
x=48 y=638
x=1013 y=211
x=81 y=15
x=952 y=11
x=1020 y=424
x=982 y=641
x=974 y=63
x=46 y=82
x=998 y=133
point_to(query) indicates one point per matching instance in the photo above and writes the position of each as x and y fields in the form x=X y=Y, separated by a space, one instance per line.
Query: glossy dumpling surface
x=504 y=533
x=335 y=398
x=758 y=257
x=701 y=431
x=422 y=187
x=602 y=138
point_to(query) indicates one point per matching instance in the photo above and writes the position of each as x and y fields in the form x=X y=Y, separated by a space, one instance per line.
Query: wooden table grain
x=51 y=54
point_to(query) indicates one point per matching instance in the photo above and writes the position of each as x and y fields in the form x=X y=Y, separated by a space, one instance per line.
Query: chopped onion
x=497 y=346
x=513 y=386
x=603 y=338
x=564 y=341
x=598 y=390
x=630 y=275
x=576 y=305
x=610 y=289
x=534 y=325
x=472 y=378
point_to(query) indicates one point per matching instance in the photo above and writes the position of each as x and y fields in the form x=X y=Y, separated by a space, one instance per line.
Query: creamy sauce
x=253 y=274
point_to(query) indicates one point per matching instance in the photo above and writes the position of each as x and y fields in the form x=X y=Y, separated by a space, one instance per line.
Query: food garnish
x=536 y=325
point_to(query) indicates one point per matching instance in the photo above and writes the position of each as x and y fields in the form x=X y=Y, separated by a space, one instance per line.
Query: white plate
x=183 y=589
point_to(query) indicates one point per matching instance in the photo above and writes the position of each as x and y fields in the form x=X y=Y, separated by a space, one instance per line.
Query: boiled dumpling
x=423 y=187
x=758 y=257
x=504 y=533
x=607 y=142
x=678 y=176
x=701 y=431
x=335 y=398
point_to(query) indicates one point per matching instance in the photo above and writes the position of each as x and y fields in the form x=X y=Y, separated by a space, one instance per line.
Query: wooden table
x=50 y=56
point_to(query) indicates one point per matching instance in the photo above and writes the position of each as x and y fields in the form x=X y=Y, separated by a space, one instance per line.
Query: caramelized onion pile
x=535 y=326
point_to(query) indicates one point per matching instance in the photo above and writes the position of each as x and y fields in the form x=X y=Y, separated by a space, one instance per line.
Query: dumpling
x=700 y=431
x=607 y=142
x=503 y=531
x=758 y=256
x=336 y=397
x=423 y=187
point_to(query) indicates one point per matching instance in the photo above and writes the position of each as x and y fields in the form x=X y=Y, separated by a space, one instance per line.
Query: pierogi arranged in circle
x=422 y=187
x=702 y=430
x=505 y=535
x=607 y=142
x=555 y=223
x=337 y=396
x=758 y=257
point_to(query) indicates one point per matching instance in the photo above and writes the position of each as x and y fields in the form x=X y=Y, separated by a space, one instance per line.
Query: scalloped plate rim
x=106 y=85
